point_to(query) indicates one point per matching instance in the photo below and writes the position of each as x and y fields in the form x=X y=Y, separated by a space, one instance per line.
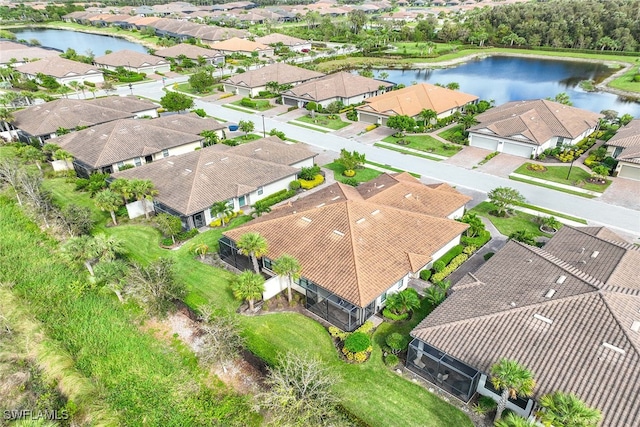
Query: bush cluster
x=396 y=342
x=219 y=221
x=391 y=360
x=276 y=197
x=294 y=185
x=425 y=274
x=349 y=173
x=392 y=316
x=352 y=115
x=370 y=127
x=366 y=328
x=338 y=333
x=451 y=267
x=307 y=185
x=309 y=173
x=451 y=254
x=535 y=167
x=250 y=103
x=357 y=342
x=478 y=241
x=351 y=181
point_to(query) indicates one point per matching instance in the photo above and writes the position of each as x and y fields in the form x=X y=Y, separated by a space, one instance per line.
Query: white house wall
x=486 y=392
x=457 y=214
x=440 y=252
x=153 y=113
x=277 y=284
x=306 y=163
x=158 y=156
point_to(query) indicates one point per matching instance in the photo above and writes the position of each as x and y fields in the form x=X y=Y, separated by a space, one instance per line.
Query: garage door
x=517 y=150
x=289 y=101
x=483 y=142
x=631 y=172
x=244 y=91
x=368 y=118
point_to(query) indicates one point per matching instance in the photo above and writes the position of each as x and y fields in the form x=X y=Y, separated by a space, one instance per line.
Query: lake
x=506 y=79
x=80 y=42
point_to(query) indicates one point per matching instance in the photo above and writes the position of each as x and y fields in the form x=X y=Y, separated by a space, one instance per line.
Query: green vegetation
x=425 y=143
x=550 y=212
x=516 y=221
x=559 y=174
x=241 y=139
x=392 y=169
x=362 y=175
x=186 y=88
x=451 y=133
x=626 y=81
x=411 y=153
x=253 y=104
x=324 y=121
x=297 y=123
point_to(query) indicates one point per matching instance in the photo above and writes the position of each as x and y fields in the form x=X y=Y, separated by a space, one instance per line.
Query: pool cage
x=229 y=254
x=449 y=374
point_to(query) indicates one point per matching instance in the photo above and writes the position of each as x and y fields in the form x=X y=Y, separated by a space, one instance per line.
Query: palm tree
x=427 y=115
x=402 y=302
x=287 y=266
x=254 y=246
x=453 y=86
x=513 y=380
x=221 y=210
x=79 y=249
x=143 y=189
x=200 y=249
x=105 y=248
x=31 y=154
x=112 y=275
x=109 y=200
x=567 y=410
x=122 y=187
x=6 y=117
x=476 y=226
x=467 y=121
x=259 y=209
x=248 y=286
x=513 y=420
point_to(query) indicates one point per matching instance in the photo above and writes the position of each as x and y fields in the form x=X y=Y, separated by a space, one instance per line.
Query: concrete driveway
x=375 y=135
x=502 y=165
x=468 y=157
x=623 y=192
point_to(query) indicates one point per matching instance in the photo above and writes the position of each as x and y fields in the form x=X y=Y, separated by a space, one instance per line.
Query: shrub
x=352 y=115
x=349 y=173
x=396 y=342
x=370 y=127
x=453 y=265
x=216 y=223
x=480 y=240
x=488 y=255
x=438 y=266
x=293 y=107
x=250 y=103
x=294 y=185
x=425 y=274
x=166 y=241
x=90 y=84
x=451 y=254
x=392 y=316
x=336 y=332
x=311 y=106
x=484 y=405
x=81 y=184
x=535 y=167
x=357 y=342
x=309 y=173
x=276 y=197
x=200 y=112
x=366 y=327
x=351 y=181
x=186 y=235
x=307 y=185
x=391 y=360
x=469 y=249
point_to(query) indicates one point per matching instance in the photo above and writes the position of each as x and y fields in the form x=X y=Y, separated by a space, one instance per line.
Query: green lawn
x=242 y=139
x=371 y=391
x=362 y=175
x=186 y=88
x=515 y=222
x=403 y=151
x=323 y=121
x=297 y=123
x=559 y=174
x=448 y=134
x=426 y=143
x=261 y=104
x=391 y=168
x=418 y=49
x=552 y=213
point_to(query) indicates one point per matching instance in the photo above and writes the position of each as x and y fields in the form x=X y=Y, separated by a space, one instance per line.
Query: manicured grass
x=625 y=82
x=426 y=143
x=418 y=49
x=7 y=151
x=411 y=153
x=186 y=88
x=297 y=123
x=141 y=242
x=324 y=121
x=261 y=105
x=559 y=174
x=552 y=213
x=515 y=222
x=362 y=175
x=551 y=187
x=448 y=134
x=242 y=139
x=391 y=168
x=371 y=391
x=64 y=194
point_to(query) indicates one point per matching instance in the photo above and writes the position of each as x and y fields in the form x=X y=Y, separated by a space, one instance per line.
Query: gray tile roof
x=188 y=50
x=18 y=51
x=188 y=123
x=126 y=58
x=340 y=84
x=129 y=104
x=272 y=149
x=44 y=119
x=279 y=72
x=275 y=38
x=58 y=67
x=554 y=314
x=536 y=120
x=627 y=136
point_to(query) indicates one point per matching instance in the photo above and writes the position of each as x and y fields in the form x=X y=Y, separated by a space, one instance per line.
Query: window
x=120 y=165
x=242 y=201
x=560 y=141
x=260 y=190
x=383 y=297
x=267 y=263
x=138 y=161
x=165 y=153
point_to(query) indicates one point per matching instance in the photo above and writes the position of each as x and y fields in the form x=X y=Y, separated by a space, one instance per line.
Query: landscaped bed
x=253 y=104
x=558 y=174
x=362 y=175
x=425 y=143
x=516 y=221
x=324 y=121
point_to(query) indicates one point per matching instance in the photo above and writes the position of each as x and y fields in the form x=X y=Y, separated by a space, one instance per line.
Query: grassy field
x=515 y=222
x=362 y=175
x=426 y=143
x=418 y=49
x=261 y=105
x=324 y=121
x=410 y=153
x=559 y=174
x=242 y=139
x=626 y=82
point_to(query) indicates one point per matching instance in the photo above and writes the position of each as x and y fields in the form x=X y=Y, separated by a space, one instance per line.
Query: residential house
x=140 y=108
x=356 y=245
x=43 y=121
x=189 y=184
x=342 y=86
x=625 y=148
x=251 y=83
x=569 y=312
x=293 y=43
x=63 y=70
x=411 y=100
x=192 y=52
x=242 y=47
x=133 y=61
x=14 y=54
x=189 y=123
x=527 y=128
x=109 y=147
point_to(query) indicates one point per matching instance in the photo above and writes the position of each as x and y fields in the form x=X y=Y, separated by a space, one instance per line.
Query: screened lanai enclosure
x=229 y=254
x=449 y=374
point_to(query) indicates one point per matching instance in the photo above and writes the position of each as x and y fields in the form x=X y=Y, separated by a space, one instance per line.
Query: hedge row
x=478 y=241
x=275 y=198
x=453 y=265
x=451 y=254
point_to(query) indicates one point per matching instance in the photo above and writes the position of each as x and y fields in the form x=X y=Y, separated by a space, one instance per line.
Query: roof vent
x=582 y=250
x=320 y=205
x=529 y=260
x=170 y=162
x=339 y=233
x=257 y=149
x=583 y=261
x=595 y=254
x=208 y=163
x=635 y=326
x=542 y=318
x=406 y=196
x=613 y=347
x=513 y=304
x=360 y=221
x=188 y=170
x=376 y=212
x=224 y=158
x=304 y=218
x=336 y=198
x=550 y=293
x=561 y=280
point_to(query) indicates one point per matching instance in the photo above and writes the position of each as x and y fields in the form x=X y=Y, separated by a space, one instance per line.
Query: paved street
x=593 y=210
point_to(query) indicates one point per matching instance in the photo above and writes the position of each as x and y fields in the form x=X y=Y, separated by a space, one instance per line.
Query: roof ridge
x=351 y=232
x=104 y=147
x=619 y=323
x=622 y=245
x=546 y=103
x=193 y=179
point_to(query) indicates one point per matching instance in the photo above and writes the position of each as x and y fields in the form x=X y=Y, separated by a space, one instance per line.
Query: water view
x=506 y=79
x=80 y=42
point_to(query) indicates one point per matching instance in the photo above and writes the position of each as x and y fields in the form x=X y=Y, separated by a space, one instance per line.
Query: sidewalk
x=412 y=150
x=555 y=184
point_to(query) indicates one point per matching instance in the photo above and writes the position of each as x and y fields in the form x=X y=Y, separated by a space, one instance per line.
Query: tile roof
x=273 y=149
x=121 y=140
x=128 y=104
x=126 y=58
x=58 y=67
x=340 y=84
x=44 y=119
x=192 y=182
x=411 y=100
x=630 y=154
x=353 y=247
x=236 y=44
x=188 y=50
x=627 y=136
x=535 y=121
x=278 y=72
x=20 y=52
x=535 y=306
x=188 y=123
x=275 y=38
